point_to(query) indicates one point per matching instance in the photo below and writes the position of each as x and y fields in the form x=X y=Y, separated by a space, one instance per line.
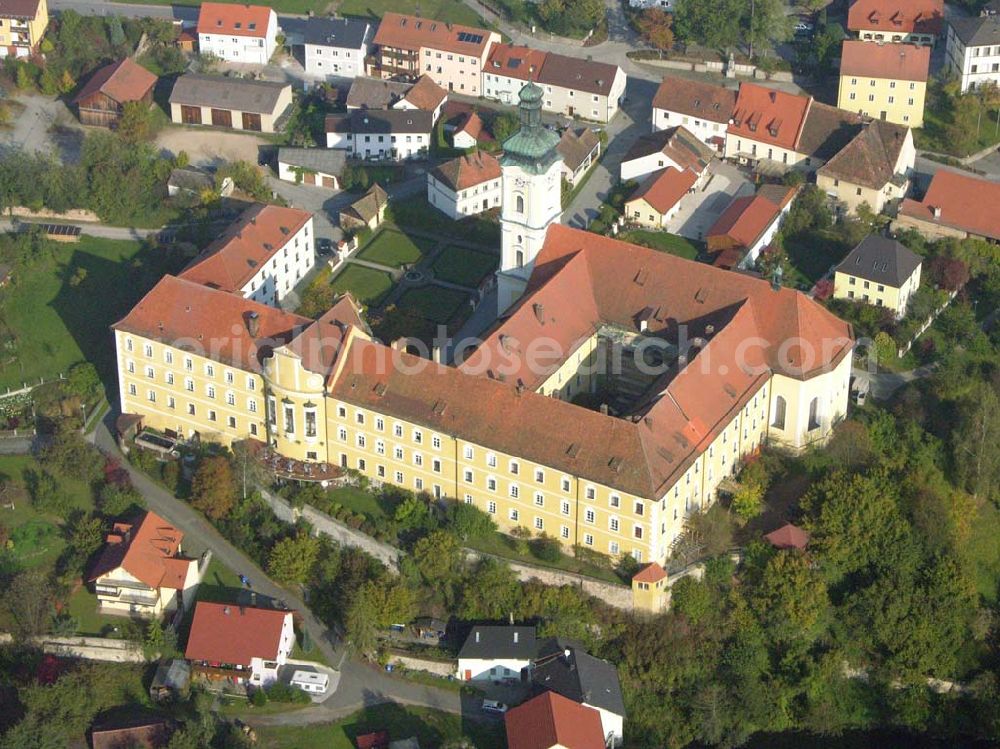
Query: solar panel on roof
x=465 y=36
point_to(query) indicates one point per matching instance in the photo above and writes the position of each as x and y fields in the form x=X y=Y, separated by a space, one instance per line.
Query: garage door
x=309 y=178
x=329 y=182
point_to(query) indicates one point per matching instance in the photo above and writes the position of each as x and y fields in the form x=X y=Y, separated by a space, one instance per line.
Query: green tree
x=791 y=597
x=24 y=78
x=766 y=24
x=116 y=32
x=748 y=501
x=86 y=538
x=712 y=23
x=377 y=605
x=115 y=500
x=691 y=599
x=212 y=489
x=28 y=601
x=505 y=125
x=71 y=455
x=491 y=591
x=438 y=557
x=976 y=442
x=84 y=382
x=46 y=493
x=292 y=559
x=655 y=27
x=136 y=122
x=469 y=522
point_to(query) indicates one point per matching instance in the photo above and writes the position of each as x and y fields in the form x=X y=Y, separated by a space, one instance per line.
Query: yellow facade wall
x=901 y=102
x=36 y=29
x=577 y=374
x=846 y=286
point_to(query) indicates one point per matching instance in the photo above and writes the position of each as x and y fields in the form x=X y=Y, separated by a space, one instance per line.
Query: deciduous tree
x=291 y=560
x=212 y=489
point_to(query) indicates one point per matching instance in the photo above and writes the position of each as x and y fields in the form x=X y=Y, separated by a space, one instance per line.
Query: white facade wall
x=467 y=202
x=322 y=60
x=264 y=672
x=974 y=65
x=766 y=238
x=703 y=130
x=285 y=269
x=830 y=391
x=559 y=100
x=501 y=88
x=611 y=724
x=647 y=165
x=477 y=669
x=248 y=49
x=381 y=146
x=404 y=104
x=287 y=173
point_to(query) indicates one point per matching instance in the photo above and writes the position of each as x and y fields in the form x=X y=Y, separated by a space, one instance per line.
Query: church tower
x=532 y=196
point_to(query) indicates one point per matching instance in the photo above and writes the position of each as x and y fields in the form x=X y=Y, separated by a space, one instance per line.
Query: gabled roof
x=899 y=62
x=748 y=218
x=147 y=550
x=472 y=125
x=368 y=205
x=231 y=19
x=882 y=260
x=343 y=33
x=211 y=322
x=977 y=31
x=551 y=720
x=576 y=144
x=514 y=61
x=788 y=536
x=468 y=170
x=870 y=158
x=897 y=16
x=827 y=130
x=372 y=93
x=152 y=733
x=239 y=94
x=651 y=573
x=233 y=634
x=320 y=344
x=959 y=201
x=187 y=178
x=326 y=160
x=487 y=642
x=677 y=143
x=705 y=101
x=245 y=247
x=425 y=94
x=381 y=121
x=19 y=8
x=581 y=75
x=120 y=81
x=412 y=32
x=662 y=190
x=767 y=115
x=568 y=670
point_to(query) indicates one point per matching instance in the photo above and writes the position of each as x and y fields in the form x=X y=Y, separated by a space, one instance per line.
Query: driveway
x=699 y=210
x=209 y=148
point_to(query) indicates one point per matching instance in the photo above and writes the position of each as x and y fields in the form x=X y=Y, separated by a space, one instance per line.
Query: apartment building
x=335 y=46
x=885 y=81
x=262 y=256
x=453 y=55
x=973 y=48
x=703 y=109
x=22 y=26
x=879 y=271
x=237 y=33
x=897 y=21
x=381 y=135
x=465 y=186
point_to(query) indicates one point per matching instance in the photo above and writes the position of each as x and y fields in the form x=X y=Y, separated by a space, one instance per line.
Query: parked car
x=324 y=246
x=492 y=706
x=804 y=28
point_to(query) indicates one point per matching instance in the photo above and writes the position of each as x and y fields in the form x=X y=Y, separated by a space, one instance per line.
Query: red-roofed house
x=955 y=205
x=551 y=721
x=141 y=571
x=262 y=256
x=749 y=223
x=238 y=33
x=649 y=588
x=469 y=131
x=907 y=21
x=241 y=644
x=103 y=99
x=658 y=199
x=466 y=185
x=884 y=81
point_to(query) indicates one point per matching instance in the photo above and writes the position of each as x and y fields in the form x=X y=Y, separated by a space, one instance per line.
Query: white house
x=261 y=257
x=496 y=653
x=424 y=95
x=335 y=46
x=237 y=33
x=675 y=147
x=973 y=48
x=465 y=186
x=748 y=225
x=241 y=644
x=381 y=135
x=141 y=570
x=704 y=109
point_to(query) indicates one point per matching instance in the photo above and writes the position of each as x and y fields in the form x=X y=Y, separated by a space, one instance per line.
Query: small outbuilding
x=313 y=682
x=311 y=166
x=367 y=211
x=102 y=100
x=788 y=536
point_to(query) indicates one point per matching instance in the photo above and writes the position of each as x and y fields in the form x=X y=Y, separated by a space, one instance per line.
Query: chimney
x=604 y=409
x=567 y=653
x=709 y=330
x=477 y=635
x=516 y=633
x=253 y=324
x=539 y=310
x=774 y=96
x=682 y=360
x=519 y=387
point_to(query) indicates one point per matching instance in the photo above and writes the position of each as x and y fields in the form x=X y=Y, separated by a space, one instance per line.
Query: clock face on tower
x=520 y=181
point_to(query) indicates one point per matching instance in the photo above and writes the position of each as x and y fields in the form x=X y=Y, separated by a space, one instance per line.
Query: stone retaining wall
x=438 y=668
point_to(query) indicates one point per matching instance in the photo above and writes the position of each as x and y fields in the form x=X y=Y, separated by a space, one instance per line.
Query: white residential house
x=240 y=644
x=262 y=256
x=335 y=46
x=237 y=33
x=381 y=135
x=973 y=49
x=496 y=653
x=703 y=109
x=465 y=186
x=675 y=147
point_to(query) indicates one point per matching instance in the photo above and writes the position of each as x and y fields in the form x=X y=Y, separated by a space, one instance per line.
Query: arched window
x=519 y=203
x=814 y=414
x=778 y=422
x=519 y=258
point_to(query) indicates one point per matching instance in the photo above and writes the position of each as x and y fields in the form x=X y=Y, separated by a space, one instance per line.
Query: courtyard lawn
x=54 y=324
x=811 y=256
x=369 y=286
x=430 y=727
x=396 y=249
x=454 y=11
x=464 y=266
x=664 y=242
x=434 y=303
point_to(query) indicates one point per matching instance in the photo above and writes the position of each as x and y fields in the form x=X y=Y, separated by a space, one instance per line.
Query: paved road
x=94 y=230
x=884 y=384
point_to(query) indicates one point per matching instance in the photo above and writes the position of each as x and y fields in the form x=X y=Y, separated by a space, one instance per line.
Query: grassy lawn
x=395 y=249
x=360 y=502
x=82 y=606
x=504 y=546
x=432 y=728
x=368 y=285
x=984 y=551
x=434 y=303
x=811 y=256
x=463 y=266
x=55 y=325
x=443 y=10
x=933 y=136
x=664 y=242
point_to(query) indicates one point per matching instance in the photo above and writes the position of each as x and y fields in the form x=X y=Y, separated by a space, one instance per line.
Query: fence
x=26 y=388
x=904 y=350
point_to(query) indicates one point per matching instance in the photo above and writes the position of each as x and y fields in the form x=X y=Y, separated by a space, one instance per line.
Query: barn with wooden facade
x=103 y=99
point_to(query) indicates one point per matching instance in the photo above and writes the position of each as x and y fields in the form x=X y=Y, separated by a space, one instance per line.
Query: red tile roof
x=515 y=61
x=900 y=62
x=121 y=81
x=210 y=322
x=319 y=345
x=231 y=19
x=747 y=218
x=705 y=101
x=551 y=720
x=897 y=16
x=412 y=32
x=232 y=634
x=651 y=573
x=788 y=536
x=474 y=127
x=662 y=190
x=425 y=94
x=152 y=735
x=146 y=550
x=467 y=171
x=238 y=255
x=966 y=203
x=767 y=115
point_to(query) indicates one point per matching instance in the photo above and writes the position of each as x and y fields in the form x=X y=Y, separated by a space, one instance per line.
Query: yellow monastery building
x=689 y=368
